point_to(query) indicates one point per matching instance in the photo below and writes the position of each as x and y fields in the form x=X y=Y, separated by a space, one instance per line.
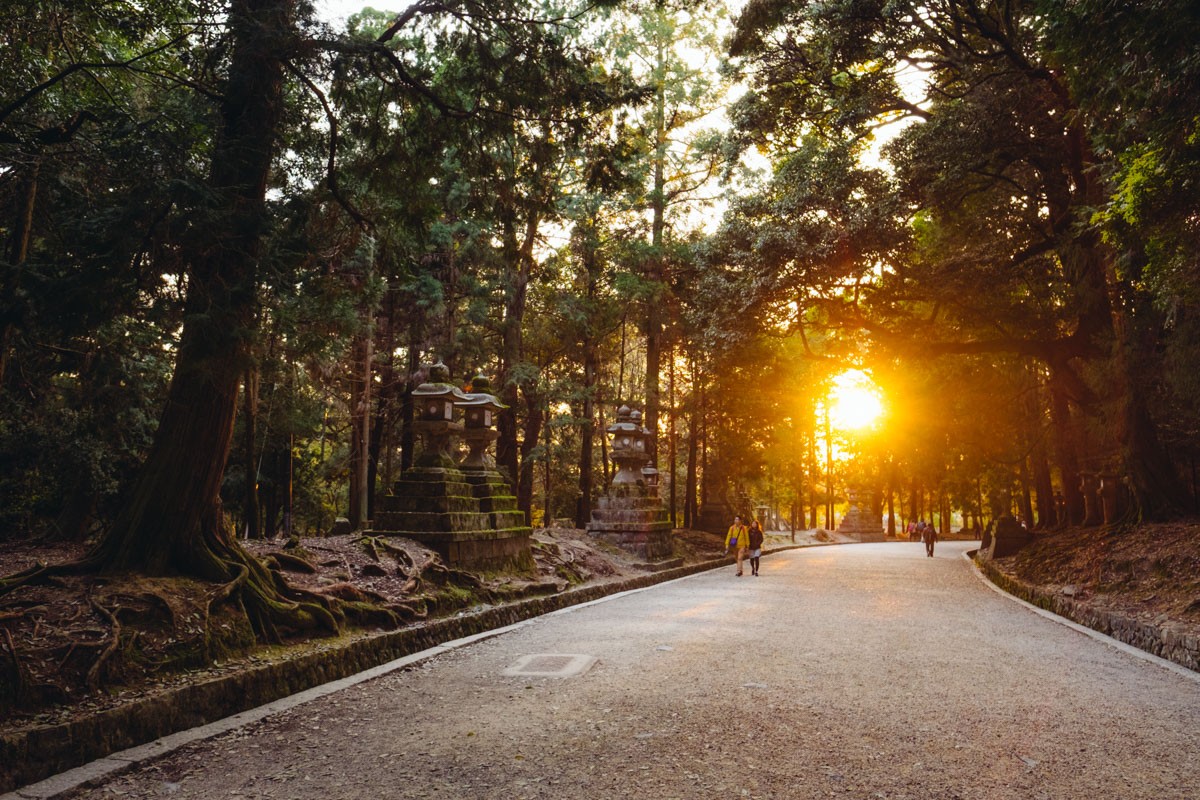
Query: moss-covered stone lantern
x=434 y=403
x=631 y=515
x=467 y=513
x=650 y=474
x=479 y=409
x=628 y=446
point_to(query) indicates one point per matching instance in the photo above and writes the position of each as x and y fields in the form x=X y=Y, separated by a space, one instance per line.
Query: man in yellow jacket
x=738 y=539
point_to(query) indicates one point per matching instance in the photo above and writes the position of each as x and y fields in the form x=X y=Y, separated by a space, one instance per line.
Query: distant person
x=755 y=543
x=912 y=530
x=929 y=536
x=736 y=540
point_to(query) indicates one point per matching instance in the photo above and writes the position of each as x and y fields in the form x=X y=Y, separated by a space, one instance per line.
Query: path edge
x=1161 y=643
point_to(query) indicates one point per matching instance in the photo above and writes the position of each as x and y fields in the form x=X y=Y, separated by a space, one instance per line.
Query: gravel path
x=865 y=671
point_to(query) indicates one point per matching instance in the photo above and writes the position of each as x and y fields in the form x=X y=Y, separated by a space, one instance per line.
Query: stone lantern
x=479 y=410
x=650 y=476
x=860 y=521
x=631 y=515
x=434 y=402
x=468 y=514
x=628 y=446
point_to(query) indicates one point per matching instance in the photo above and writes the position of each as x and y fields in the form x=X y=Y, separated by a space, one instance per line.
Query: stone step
x=407 y=503
x=431 y=522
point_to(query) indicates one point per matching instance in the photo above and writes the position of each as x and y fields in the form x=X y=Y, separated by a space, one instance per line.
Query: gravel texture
x=866 y=671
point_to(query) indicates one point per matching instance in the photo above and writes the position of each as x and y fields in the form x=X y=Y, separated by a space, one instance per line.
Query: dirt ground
x=1149 y=571
x=78 y=645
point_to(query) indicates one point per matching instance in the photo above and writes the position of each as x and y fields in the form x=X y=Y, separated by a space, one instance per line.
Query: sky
x=336 y=11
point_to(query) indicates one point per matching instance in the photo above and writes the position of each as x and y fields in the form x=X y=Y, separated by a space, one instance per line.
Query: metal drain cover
x=551 y=665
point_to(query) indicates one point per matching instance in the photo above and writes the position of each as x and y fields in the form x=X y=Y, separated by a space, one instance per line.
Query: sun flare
x=855 y=402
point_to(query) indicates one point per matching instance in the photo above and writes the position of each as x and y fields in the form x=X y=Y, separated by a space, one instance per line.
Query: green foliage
x=525 y=196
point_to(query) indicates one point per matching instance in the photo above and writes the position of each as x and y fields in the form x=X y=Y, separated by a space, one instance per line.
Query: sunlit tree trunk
x=671 y=456
x=690 y=508
x=587 y=435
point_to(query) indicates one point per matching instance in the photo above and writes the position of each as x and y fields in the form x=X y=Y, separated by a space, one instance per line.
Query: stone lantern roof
x=480 y=396
x=435 y=399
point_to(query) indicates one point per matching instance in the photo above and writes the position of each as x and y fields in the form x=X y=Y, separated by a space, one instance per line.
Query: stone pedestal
x=468 y=517
x=1008 y=539
x=861 y=523
x=717 y=513
x=633 y=518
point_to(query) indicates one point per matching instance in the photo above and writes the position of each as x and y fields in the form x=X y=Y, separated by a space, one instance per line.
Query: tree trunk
x=591 y=376
x=657 y=263
x=407 y=411
x=385 y=410
x=1026 y=494
x=672 y=465
x=814 y=472
x=360 y=430
x=172 y=523
x=18 y=253
x=690 y=508
x=1157 y=490
x=1066 y=453
x=250 y=433
x=516 y=290
x=587 y=434
x=891 y=496
x=535 y=418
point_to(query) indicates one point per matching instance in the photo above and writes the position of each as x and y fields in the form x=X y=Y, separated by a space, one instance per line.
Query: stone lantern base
x=633 y=518
x=1008 y=539
x=468 y=517
x=863 y=525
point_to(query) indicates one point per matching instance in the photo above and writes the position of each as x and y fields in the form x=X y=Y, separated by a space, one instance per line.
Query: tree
x=999 y=184
x=666 y=48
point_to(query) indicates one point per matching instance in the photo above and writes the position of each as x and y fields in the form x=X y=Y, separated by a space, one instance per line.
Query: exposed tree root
x=115 y=617
x=370 y=544
x=348 y=591
x=292 y=563
x=42 y=573
x=373 y=544
x=93 y=673
x=441 y=575
x=19 y=680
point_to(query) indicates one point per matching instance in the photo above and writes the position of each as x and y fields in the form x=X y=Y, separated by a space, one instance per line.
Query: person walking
x=929 y=536
x=755 y=541
x=736 y=539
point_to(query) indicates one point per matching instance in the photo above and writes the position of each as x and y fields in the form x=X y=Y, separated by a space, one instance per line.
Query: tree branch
x=331 y=163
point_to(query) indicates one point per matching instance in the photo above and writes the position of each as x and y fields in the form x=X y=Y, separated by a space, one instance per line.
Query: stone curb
x=87 y=746
x=1173 y=643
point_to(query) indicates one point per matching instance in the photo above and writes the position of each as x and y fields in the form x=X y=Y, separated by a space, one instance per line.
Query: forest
x=236 y=236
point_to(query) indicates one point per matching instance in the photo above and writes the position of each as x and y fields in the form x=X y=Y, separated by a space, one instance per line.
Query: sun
x=855 y=402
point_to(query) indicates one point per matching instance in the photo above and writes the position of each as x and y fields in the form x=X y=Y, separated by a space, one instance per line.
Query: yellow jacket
x=740 y=533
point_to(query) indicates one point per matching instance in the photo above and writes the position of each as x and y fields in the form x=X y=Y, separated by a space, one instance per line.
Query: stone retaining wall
x=1163 y=637
x=37 y=753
